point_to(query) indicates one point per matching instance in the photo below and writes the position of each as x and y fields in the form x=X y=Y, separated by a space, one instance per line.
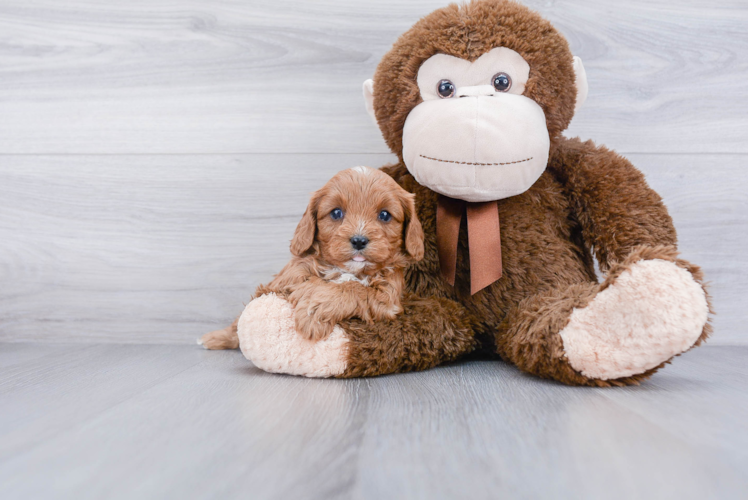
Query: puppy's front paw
x=310 y=326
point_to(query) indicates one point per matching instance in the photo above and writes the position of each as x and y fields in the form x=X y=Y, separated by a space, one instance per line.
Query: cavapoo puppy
x=350 y=249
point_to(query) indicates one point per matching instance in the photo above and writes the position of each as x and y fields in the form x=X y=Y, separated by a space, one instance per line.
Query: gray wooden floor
x=126 y=421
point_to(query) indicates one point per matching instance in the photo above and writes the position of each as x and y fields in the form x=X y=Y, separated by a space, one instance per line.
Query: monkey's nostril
x=359 y=242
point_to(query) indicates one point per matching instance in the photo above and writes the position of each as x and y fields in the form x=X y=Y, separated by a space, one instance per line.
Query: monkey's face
x=472 y=97
x=475 y=136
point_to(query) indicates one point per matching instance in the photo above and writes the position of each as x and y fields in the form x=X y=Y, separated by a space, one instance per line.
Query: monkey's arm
x=428 y=332
x=615 y=207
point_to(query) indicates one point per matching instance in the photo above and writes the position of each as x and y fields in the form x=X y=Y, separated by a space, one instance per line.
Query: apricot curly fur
x=322 y=281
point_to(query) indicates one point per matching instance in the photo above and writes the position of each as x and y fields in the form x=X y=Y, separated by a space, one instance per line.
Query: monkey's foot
x=268 y=338
x=651 y=312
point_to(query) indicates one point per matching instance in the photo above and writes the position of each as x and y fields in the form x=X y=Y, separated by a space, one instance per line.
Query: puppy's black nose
x=359 y=242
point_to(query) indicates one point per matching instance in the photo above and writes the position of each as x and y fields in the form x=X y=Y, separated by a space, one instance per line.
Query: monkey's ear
x=413 y=232
x=369 y=98
x=303 y=237
x=581 y=83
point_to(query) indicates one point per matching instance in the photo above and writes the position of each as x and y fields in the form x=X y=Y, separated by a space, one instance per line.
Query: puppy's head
x=361 y=221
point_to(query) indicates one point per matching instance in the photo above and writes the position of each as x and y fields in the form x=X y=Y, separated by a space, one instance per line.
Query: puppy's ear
x=303 y=237
x=412 y=230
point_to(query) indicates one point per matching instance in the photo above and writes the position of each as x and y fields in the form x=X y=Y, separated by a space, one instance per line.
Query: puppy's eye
x=501 y=82
x=385 y=216
x=445 y=89
x=336 y=214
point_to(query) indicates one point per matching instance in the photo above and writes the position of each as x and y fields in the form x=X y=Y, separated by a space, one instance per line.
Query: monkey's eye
x=501 y=82
x=336 y=214
x=385 y=216
x=445 y=89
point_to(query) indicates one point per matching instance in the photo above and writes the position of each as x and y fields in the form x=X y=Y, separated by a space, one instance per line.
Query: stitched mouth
x=475 y=163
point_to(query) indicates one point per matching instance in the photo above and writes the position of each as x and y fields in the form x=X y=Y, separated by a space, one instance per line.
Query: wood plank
x=224 y=429
x=217 y=76
x=44 y=397
x=702 y=375
x=485 y=428
x=151 y=249
x=13 y=355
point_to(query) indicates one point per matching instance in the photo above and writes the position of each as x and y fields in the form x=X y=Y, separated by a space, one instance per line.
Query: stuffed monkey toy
x=473 y=100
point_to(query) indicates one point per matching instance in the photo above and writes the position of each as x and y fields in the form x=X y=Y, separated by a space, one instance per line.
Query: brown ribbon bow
x=484 y=240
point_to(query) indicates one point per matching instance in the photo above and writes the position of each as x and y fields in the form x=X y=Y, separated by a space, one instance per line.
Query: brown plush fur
x=589 y=200
x=313 y=281
x=428 y=332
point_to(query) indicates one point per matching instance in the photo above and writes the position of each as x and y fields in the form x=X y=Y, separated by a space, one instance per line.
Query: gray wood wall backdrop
x=155 y=155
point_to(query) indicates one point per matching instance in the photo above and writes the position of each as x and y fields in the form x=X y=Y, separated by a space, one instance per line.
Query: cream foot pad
x=268 y=339
x=652 y=312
